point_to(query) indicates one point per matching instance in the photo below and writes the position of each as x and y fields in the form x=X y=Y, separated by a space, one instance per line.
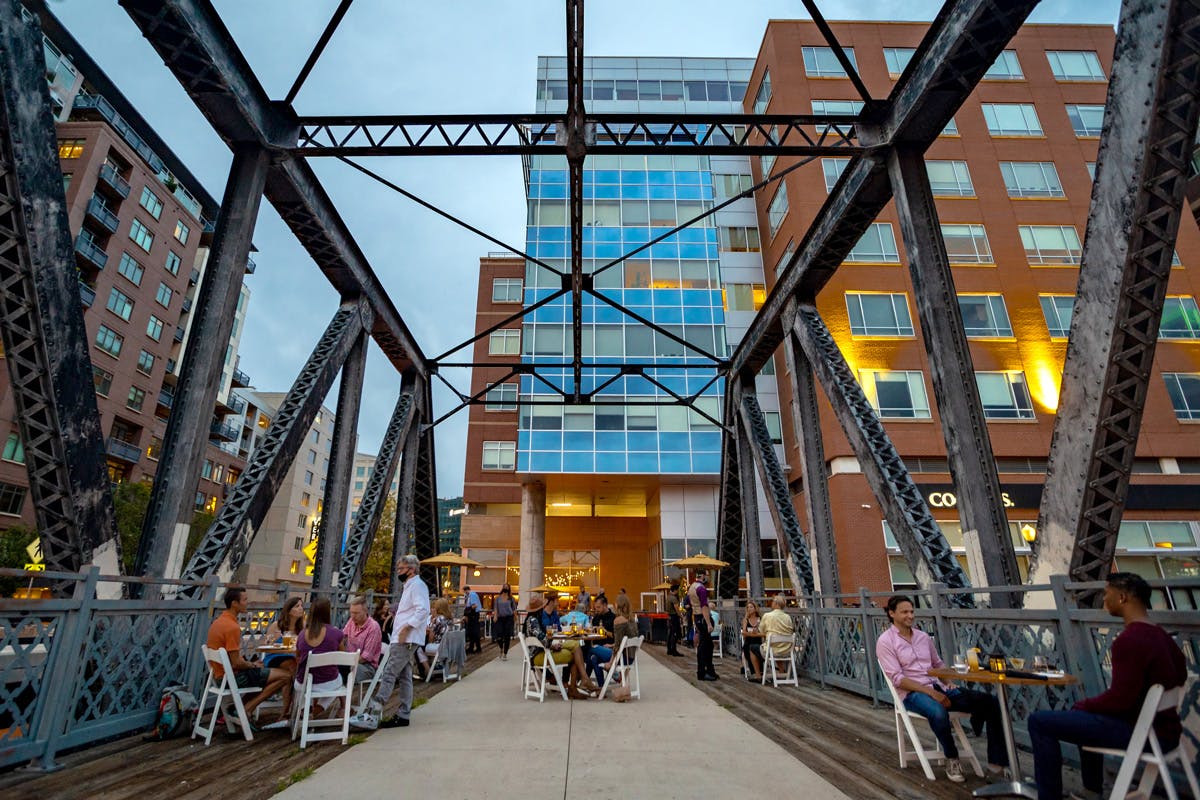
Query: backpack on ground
x=176 y=714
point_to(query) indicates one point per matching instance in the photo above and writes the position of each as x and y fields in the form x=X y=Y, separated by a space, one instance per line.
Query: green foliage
x=130 y=499
x=201 y=522
x=295 y=777
x=13 y=542
x=377 y=573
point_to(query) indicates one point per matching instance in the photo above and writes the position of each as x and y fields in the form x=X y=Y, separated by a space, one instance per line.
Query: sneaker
x=277 y=725
x=954 y=770
x=395 y=722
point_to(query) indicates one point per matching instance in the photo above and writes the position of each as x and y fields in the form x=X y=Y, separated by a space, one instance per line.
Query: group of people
x=589 y=660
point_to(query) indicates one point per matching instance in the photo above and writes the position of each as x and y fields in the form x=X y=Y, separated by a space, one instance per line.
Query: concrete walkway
x=480 y=739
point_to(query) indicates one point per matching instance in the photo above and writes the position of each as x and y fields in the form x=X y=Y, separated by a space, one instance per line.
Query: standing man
x=674 y=632
x=363 y=634
x=408 y=634
x=702 y=624
x=1142 y=655
x=471 y=615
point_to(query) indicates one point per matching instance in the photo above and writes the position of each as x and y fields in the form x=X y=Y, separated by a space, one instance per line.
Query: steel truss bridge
x=1149 y=129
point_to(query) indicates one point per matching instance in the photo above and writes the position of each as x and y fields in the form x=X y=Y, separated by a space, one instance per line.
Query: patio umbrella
x=699 y=560
x=661 y=587
x=450 y=559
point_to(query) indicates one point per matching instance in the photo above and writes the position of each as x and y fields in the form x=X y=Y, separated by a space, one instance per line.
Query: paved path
x=480 y=739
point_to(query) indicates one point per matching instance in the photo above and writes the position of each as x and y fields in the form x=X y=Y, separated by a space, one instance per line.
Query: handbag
x=620 y=694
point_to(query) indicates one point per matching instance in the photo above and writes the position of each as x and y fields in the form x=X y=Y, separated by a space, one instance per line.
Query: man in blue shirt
x=471 y=616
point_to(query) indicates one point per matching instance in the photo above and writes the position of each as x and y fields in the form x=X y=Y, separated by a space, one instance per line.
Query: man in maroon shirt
x=1143 y=655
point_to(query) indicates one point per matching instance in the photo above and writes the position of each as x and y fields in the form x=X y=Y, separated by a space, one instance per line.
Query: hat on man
x=536 y=602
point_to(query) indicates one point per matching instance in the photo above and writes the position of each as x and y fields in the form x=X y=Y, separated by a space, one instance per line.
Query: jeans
x=983 y=708
x=397 y=675
x=596 y=656
x=674 y=633
x=1048 y=728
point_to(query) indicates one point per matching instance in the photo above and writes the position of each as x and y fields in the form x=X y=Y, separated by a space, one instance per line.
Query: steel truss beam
x=402 y=532
x=425 y=503
x=198 y=49
x=41 y=317
x=964 y=428
x=543 y=134
x=363 y=531
x=233 y=531
x=753 y=430
x=736 y=525
x=335 y=505
x=1142 y=169
x=921 y=540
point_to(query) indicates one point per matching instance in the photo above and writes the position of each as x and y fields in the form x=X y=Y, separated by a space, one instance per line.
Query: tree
x=13 y=542
x=377 y=573
x=130 y=499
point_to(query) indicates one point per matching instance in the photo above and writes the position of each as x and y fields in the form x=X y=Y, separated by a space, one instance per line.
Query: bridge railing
x=76 y=671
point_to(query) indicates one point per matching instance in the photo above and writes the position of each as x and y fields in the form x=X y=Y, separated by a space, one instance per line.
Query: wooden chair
x=304 y=722
x=772 y=660
x=625 y=665
x=1157 y=762
x=904 y=725
x=221 y=688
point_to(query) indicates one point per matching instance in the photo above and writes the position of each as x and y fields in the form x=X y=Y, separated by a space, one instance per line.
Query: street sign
x=310 y=551
x=35 y=551
x=35 y=567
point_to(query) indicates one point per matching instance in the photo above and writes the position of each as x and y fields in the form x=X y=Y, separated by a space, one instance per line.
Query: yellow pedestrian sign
x=34 y=549
x=310 y=552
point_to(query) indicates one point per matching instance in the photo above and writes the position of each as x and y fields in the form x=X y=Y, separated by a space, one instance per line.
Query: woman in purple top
x=319 y=637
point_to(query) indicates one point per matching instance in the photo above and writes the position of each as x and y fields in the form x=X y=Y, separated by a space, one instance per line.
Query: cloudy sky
x=392 y=57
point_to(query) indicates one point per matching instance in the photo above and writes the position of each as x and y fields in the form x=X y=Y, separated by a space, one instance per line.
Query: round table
x=1017 y=787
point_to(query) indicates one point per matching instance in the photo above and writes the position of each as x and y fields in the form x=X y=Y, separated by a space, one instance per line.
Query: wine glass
x=1039 y=663
x=1016 y=662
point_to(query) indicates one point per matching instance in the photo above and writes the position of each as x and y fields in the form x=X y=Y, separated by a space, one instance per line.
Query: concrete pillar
x=533 y=538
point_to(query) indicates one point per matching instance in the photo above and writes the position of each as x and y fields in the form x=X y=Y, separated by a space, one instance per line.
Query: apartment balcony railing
x=90 y=251
x=87 y=294
x=227 y=431
x=240 y=378
x=193 y=277
x=85 y=101
x=179 y=334
x=187 y=304
x=123 y=451
x=237 y=404
x=98 y=210
x=166 y=399
x=250 y=266
x=112 y=178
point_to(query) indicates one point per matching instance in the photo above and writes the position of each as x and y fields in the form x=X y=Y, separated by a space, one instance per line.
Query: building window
x=13 y=449
x=1051 y=245
x=743 y=296
x=1011 y=119
x=897 y=59
x=1075 y=65
x=120 y=304
x=140 y=235
x=130 y=269
x=1180 y=319
x=70 y=148
x=833 y=169
x=949 y=178
x=1086 y=120
x=1031 y=179
x=1005 y=68
x=154 y=328
x=878 y=314
x=786 y=258
x=778 y=208
x=109 y=341
x=181 y=232
x=877 y=246
x=821 y=62
x=149 y=201
x=1057 y=308
x=302 y=521
x=102 y=381
x=11 y=499
x=835 y=107
x=218 y=472
x=506 y=290
x=728 y=186
x=896 y=394
x=173 y=262
x=154 y=448
x=1184 y=389
x=145 y=362
x=316 y=437
x=984 y=316
x=763 y=96
x=1004 y=395
x=308 y=478
x=774 y=427
x=136 y=398
x=504 y=343
x=951 y=128
x=312 y=456
x=502 y=397
x=1091 y=168
x=738 y=239
x=163 y=295
x=499 y=455
x=967 y=244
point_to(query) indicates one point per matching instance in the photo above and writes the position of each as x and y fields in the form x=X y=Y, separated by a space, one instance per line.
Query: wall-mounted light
x=446 y=584
x=475 y=574
x=1028 y=533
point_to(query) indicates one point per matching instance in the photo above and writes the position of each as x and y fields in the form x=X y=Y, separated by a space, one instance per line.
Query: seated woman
x=624 y=626
x=752 y=645
x=533 y=629
x=319 y=637
x=439 y=623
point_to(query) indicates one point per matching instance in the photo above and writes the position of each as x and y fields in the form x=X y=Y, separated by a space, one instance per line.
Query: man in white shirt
x=408 y=634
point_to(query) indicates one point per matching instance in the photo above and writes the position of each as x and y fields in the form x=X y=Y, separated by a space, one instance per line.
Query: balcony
x=179 y=333
x=166 y=399
x=171 y=376
x=250 y=266
x=193 y=277
x=123 y=451
x=92 y=253
x=240 y=379
x=98 y=210
x=187 y=304
x=111 y=178
x=87 y=295
x=237 y=404
x=225 y=431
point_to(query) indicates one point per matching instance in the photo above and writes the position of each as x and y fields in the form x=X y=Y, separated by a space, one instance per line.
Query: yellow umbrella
x=661 y=587
x=699 y=560
x=543 y=588
x=450 y=559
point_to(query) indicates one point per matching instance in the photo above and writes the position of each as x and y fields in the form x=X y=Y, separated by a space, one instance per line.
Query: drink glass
x=960 y=662
x=1017 y=663
x=973 y=658
x=1039 y=663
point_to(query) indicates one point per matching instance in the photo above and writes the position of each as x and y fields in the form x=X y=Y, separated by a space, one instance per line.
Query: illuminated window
x=1006 y=67
x=1075 y=65
x=1057 y=310
x=967 y=244
x=738 y=239
x=506 y=290
x=897 y=59
x=879 y=314
x=504 y=343
x=1011 y=119
x=877 y=246
x=822 y=62
x=833 y=168
x=181 y=231
x=154 y=448
x=70 y=148
x=1031 y=179
x=305 y=499
x=295 y=568
x=984 y=315
x=1184 y=389
x=500 y=455
x=743 y=296
x=949 y=178
x=1086 y=120
x=502 y=397
x=1051 y=245
x=896 y=394
x=1004 y=395
x=1180 y=319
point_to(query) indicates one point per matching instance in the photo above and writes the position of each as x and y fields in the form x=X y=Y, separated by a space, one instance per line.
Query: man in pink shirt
x=906 y=655
x=363 y=634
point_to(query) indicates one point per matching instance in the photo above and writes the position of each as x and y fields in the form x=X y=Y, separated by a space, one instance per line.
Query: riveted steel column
x=425 y=505
x=731 y=516
x=402 y=533
x=806 y=419
x=174 y=493
x=968 y=448
x=751 y=526
x=1137 y=198
x=41 y=318
x=920 y=539
x=335 y=505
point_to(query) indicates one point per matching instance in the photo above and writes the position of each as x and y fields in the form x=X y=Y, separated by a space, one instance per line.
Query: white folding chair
x=446 y=659
x=221 y=688
x=718 y=645
x=772 y=660
x=366 y=689
x=303 y=721
x=904 y=725
x=1157 y=762
x=536 y=675
x=625 y=665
